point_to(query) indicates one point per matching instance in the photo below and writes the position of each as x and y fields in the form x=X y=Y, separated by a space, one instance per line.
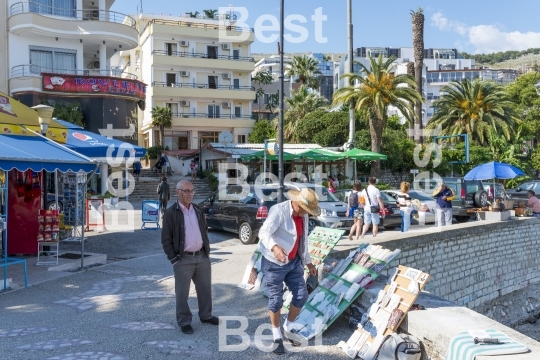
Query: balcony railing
x=210 y=116
x=36 y=70
x=203 y=86
x=85 y=14
x=205 y=26
x=200 y=55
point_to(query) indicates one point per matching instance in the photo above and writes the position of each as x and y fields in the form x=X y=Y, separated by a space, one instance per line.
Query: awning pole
x=89 y=178
x=55 y=190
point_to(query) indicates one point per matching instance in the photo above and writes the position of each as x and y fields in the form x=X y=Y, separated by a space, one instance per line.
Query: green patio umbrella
x=320 y=154
x=260 y=155
x=363 y=155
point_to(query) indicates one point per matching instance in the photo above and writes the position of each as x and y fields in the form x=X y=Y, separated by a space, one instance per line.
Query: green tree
x=526 y=103
x=306 y=70
x=263 y=130
x=210 y=14
x=193 y=14
x=378 y=88
x=162 y=117
x=70 y=112
x=261 y=78
x=473 y=107
x=323 y=128
x=301 y=103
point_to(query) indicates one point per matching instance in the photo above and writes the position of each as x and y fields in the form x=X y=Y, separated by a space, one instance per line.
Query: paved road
x=125 y=309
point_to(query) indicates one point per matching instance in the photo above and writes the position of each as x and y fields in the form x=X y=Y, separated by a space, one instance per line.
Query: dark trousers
x=196 y=268
x=163 y=205
x=292 y=274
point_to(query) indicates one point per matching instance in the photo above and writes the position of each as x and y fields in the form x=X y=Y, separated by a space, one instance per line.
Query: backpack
x=353 y=199
x=400 y=347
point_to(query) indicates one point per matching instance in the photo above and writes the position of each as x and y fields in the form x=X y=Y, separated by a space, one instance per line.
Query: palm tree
x=301 y=103
x=417 y=19
x=262 y=78
x=377 y=89
x=193 y=14
x=473 y=107
x=210 y=14
x=305 y=69
x=162 y=117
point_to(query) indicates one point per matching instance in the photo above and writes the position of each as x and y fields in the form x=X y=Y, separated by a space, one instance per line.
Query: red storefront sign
x=97 y=85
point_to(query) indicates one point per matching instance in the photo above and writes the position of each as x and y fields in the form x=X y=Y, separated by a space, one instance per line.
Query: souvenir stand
x=386 y=313
x=48 y=235
x=320 y=242
x=339 y=290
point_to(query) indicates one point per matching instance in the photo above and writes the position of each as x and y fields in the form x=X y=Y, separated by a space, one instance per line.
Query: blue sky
x=471 y=26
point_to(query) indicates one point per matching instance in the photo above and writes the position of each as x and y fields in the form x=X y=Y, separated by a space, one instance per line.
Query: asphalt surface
x=126 y=308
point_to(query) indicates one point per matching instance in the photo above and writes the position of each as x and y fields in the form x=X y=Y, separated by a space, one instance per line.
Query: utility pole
x=350 y=144
x=281 y=146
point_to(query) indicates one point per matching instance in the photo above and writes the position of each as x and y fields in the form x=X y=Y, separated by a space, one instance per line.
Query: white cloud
x=487 y=38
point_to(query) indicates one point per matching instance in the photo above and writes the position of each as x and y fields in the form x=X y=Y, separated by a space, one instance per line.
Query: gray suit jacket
x=164 y=192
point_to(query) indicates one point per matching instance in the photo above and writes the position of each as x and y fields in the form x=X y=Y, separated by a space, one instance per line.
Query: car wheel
x=312 y=224
x=481 y=198
x=390 y=227
x=245 y=234
x=51 y=205
x=462 y=219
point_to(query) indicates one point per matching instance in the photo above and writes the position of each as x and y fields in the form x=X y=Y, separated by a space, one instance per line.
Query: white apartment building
x=204 y=80
x=272 y=65
x=59 y=51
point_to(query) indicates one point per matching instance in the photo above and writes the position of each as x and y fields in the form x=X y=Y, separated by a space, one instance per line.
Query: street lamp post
x=281 y=104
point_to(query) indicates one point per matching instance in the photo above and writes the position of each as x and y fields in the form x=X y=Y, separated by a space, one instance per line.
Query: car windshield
x=418 y=195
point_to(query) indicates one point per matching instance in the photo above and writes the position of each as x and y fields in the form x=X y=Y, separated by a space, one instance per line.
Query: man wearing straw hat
x=284 y=246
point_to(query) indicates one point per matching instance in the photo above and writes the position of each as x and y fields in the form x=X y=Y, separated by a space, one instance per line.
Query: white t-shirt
x=374 y=195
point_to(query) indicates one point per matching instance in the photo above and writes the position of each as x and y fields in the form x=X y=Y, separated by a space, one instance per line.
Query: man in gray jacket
x=284 y=246
x=164 y=194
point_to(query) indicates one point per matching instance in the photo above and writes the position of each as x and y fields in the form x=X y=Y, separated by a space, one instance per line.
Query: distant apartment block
x=204 y=81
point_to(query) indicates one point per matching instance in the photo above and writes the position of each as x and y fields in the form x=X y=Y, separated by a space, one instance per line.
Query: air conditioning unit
x=184 y=73
x=225 y=47
x=184 y=103
x=226 y=76
x=226 y=105
x=184 y=43
x=94 y=65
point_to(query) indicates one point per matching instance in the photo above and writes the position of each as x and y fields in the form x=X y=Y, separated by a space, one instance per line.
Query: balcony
x=201 y=119
x=190 y=90
x=187 y=59
x=32 y=18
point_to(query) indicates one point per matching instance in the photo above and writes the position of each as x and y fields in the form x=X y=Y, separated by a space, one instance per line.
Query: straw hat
x=307 y=199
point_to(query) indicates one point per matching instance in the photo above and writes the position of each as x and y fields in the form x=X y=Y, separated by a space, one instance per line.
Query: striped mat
x=462 y=346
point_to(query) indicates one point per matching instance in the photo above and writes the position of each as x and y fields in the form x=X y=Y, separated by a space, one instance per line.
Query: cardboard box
x=508 y=204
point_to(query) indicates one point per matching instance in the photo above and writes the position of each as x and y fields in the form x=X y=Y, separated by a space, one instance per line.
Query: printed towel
x=462 y=346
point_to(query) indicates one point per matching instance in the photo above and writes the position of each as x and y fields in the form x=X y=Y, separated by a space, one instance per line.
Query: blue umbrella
x=493 y=170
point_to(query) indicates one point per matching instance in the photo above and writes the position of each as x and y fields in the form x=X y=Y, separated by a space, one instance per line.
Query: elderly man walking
x=444 y=196
x=185 y=241
x=284 y=246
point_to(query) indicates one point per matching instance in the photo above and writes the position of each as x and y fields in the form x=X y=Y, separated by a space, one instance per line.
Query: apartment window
x=212 y=82
x=146 y=141
x=213 y=111
x=177 y=140
x=171 y=48
x=238 y=111
x=236 y=54
x=170 y=79
x=266 y=98
x=54 y=7
x=173 y=107
x=211 y=52
x=256 y=101
x=47 y=59
x=236 y=83
x=208 y=136
x=242 y=139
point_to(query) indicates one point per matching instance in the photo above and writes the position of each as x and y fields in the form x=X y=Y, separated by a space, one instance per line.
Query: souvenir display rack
x=48 y=235
x=74 y=209
x=321 y=241
x=340 y=289
x=386 y=313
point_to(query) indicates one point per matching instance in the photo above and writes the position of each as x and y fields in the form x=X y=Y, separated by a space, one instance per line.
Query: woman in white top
x=405 y=205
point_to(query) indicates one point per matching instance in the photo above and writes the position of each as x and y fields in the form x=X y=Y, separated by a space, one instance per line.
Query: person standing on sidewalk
x=164 y=194
x=284 y=246
x=193 y=167
x=373 y=200
x=185 y=242
x=444 y=196
x=405 y=206
x=355 y=210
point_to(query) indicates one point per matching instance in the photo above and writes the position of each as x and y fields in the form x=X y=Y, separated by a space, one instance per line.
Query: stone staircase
x=146 y=187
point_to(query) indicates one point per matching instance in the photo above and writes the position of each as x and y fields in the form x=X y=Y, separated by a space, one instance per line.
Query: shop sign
x=98 y=85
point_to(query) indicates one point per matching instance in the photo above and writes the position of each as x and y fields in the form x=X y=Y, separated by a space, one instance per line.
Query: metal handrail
x=210 y=116
x=205 y=26
x=85 y=14
x=201 y=55
x=203 y=86
x=36 y=70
